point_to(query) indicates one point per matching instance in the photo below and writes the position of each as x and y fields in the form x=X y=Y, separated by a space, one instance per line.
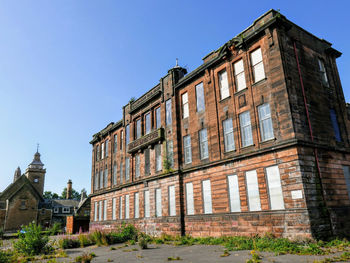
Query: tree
x=50 y=195
x=75 y=194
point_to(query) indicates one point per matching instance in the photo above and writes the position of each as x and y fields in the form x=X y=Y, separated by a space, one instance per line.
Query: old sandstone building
x=254 y=140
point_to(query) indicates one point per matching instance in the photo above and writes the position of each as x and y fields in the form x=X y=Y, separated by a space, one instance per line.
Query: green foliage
x=75 y=194
x=50 y=195
x=174 y=258
x=32 y=242
x=85 y=258
x=99 y=238
x=143 y=241
x=1 y=233
x=84 y=240
x=67 y=243
x=256 y=258
x=5 y=256
x=345 y=257
x=55 y=229
x=132 y=99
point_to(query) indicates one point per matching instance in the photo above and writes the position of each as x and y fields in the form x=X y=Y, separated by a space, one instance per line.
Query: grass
x=173 y=258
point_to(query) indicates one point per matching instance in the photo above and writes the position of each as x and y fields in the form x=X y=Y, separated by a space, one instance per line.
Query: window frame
x=254 y=66
x=168 y=112
x=267 y=119
x=148 y=123
x=200 y=90
x=204 y=198
x=249 y=143
x=203 y=157
x=185 y=105
x=238 y=74
x=220 y=73
x=187 y=148
x=228 y=133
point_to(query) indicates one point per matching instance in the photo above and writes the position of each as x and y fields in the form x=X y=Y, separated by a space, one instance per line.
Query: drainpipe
x=311 y=134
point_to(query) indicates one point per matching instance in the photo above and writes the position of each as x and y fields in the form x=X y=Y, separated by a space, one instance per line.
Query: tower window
x=36 y=180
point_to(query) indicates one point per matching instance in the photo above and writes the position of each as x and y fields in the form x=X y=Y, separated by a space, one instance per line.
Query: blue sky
x=67 y=67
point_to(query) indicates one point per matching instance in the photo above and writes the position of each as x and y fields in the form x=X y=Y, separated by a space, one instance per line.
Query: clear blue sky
x=67 y=67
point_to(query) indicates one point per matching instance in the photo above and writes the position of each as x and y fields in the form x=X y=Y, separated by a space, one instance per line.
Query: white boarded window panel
x=258 y=66
x=105 y=210
x=266 y=128
x=224 y=85
x=120 y=207
x=239 y=75
x=172 y=205
x=189 y=199
x=207 y=197
x=147 y=204
x=253 y=191
x=100 y=211
x=95 y=212
x=137 y=205
x=185 y=109
x=235 y=202
x=275 y=188
x=114 y=212
x=158 y=202
x=127 y=215
x=346 y=170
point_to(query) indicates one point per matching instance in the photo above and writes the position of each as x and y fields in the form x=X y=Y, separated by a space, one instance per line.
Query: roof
x=65 y=203
x=86 y=201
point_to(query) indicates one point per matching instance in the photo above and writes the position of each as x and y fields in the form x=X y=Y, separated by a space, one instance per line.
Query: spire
x=36 y=163
x=17 y=175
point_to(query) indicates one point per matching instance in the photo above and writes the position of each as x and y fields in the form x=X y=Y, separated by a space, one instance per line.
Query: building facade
x=254 y=140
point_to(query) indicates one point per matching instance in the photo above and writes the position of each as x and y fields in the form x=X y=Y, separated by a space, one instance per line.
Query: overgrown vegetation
x=85 y=258
x=1 y=233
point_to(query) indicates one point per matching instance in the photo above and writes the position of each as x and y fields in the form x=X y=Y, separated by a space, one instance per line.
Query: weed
x=85 y=258
x=109 y=260
x=130 y=250
x=173 y=258
x=143 y=241
x=113 y=248
x=225 y=254
x=68 y=243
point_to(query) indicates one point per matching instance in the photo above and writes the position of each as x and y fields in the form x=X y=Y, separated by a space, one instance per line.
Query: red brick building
x=254 y=140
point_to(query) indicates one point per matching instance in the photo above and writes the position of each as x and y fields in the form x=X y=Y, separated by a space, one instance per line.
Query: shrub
x=67 y=243
x=143 y=241
x=84 y=240
x=5 y=257
x=85 y=258
x=55 y=229
x=99 y=238
x=32 y=242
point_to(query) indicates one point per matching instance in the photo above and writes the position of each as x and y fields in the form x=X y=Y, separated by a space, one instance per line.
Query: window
x=266 y=128
x=170 y=153
x=127 y=169
x=158 y=121
x=158 y=150
x=239 y=75
x=102 y=150
x=106 y=177
x=137 y=165
x=148 y=123
x=147 y=204
x=138 y=128
x=200 y=97
x=95 y=211
x=121 y=140
x=147 y=162
x=258 y=65
x=253 y=191
x=275 y=188
x=121 y=171
x=346 y=170
x=114 y=211
x=127 y=135
x=203 y=144
x=107 y=144
x=228 y=135
x=246 y=129
x=335 y=125
x=187 y=149
x=120 y=207
x=36 y=180
x=172 y=204
x=105 y=210
x=189 y=199
x=115 y=143
x=101 y=179
x=158 y=202
x=56 y=210
x=114 y=174
x=137 y=205
x=233 y=189
x=224 y=91
x=127 y=215
x=207 y=197
x=96 y=181
x=97 y=152
x=185 y=109
x=323 y=72
x=168 y=116
x=100 y=211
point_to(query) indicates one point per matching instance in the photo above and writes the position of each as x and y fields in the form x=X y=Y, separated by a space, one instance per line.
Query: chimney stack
x=69 y=189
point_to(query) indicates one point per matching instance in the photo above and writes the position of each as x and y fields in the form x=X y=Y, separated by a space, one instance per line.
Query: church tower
x=36 y=173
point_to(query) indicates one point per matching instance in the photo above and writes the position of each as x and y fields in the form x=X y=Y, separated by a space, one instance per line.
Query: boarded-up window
x=147 y=162
x=233 y=188
x=187 y=149
x=120 y=207
x=258 y=65
x=158 y=202
x=346 y=170
x=105 y=210
x=200 y=97
x=275 y=188
x=114 y=210
x=172 y=204
x=189 y=199
x=127 y=169
x=207 y=205
x=253 y=191
x=137 y=165
x=239 y=75
x=137 y=205
x=185 y=108
x=147 y=204
x=95 y=211
x=127 y=207
x=224 y=90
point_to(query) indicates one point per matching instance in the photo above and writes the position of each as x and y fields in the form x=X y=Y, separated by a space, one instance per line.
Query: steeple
x=36 y=172
x=36 y=163
x=17 y=175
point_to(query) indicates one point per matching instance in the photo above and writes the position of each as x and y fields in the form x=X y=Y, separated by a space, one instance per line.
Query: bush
x=143 y=241
x=5 y=257
x=32 y=242
x=99 y=238
x=55 y=229
x=84 y=240
x=67 y=243
x=85 y=258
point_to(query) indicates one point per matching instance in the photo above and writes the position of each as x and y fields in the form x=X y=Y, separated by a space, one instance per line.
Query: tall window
x=346 y=170
x=200 y=97
x=335 y=125
x=185 y=109
x=127 y=210
x=233 y=188
x=95 y=211
x=138 y=128
x=97 y=152
x=275 y=188
x=203 y=144
x=96 y=181
x=148 y=123
x=158 y=120
x=100 y=211
x=120 y=207
x=228 y=135
x=266 y=128
x=115 y=143
x=239 y=75
x=246 y=129
x=137 y=205
x=105 y=210
x=187 y=149
x=207 y=205
x=101 y=178
x=170 y=153
x=127 y=169
x=107 y=144
x=147 y=204
x=172 y=203
x=106 y=177
x=121 y=175
x=127 y=135
x=224 y=90
x=158 y=202
x=114 y=174
x=147 y=162
x=189 y=199
x=258 y=65
x=102 y=150
x=137 y=165
x=121 y=140
x=323 y=72
x=253 y=191
x=114 y=211
x=158 y=151
x=168 y=116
